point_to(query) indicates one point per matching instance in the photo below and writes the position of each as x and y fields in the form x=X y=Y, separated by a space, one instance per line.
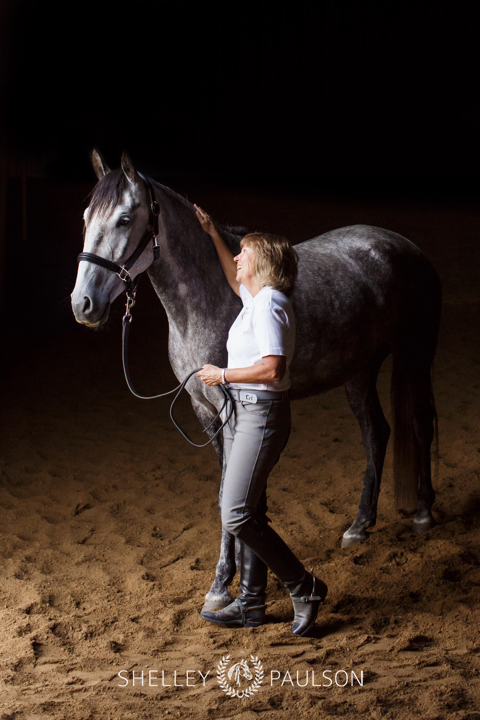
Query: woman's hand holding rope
x=210 y=374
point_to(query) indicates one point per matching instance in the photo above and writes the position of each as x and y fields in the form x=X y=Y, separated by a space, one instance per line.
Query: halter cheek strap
x=151 y=232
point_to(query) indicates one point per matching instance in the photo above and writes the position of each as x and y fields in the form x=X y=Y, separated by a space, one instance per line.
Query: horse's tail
x=410 y=400
x=413 y=404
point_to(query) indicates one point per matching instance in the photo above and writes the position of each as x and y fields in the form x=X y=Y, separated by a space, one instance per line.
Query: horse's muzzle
x=87 y=313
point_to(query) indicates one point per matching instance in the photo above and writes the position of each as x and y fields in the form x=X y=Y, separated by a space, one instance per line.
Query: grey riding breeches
x=253 y=441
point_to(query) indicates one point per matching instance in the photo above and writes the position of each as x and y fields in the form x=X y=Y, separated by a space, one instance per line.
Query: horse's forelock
x=107 y=193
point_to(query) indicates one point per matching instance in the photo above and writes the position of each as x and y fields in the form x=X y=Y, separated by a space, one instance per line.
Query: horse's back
x=362 y=257
x=371 y=249
x=355 y=287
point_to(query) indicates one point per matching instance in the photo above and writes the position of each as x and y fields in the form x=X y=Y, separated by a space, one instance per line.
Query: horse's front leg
x=218 y=595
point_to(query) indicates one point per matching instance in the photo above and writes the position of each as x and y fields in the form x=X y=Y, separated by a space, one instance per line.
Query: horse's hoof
x=216 y=602
x=354 y=537
x=423 y=523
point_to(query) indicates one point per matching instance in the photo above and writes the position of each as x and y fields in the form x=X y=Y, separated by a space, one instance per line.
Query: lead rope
x=227 y=401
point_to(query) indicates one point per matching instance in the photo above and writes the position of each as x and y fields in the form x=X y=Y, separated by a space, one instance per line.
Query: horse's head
x=115 y=223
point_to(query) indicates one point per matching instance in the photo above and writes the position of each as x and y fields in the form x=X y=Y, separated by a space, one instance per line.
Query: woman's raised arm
x=224 y=255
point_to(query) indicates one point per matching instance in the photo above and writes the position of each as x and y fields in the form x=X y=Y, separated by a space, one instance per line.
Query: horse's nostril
x=87 y=304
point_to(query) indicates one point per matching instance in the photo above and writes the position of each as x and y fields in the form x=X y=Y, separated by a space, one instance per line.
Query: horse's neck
x=188 y=279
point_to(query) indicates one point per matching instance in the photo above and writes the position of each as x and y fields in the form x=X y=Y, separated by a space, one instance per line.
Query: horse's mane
x=109 y=190
x=236 y=230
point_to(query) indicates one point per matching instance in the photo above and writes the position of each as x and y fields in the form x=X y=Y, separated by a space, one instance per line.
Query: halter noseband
x=150 y=233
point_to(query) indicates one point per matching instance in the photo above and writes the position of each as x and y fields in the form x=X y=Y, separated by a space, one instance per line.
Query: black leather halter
x=150 y=233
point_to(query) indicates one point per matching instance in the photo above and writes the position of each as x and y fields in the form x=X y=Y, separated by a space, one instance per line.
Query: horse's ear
x=128 y=169
x=101 y=168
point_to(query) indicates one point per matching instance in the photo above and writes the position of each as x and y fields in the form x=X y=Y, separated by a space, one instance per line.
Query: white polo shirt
x=265 y=326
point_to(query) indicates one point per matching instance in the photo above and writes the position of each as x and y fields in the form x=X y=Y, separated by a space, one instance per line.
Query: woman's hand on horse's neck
x=229 y=266
x=185 y=273
x=227 y=260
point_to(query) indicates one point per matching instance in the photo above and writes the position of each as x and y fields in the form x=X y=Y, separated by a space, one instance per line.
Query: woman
x=260 y=349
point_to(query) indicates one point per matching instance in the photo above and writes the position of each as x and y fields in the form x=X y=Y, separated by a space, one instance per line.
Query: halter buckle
x=124 y=275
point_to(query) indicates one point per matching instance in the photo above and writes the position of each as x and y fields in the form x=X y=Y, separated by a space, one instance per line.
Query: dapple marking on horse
x=362 y=293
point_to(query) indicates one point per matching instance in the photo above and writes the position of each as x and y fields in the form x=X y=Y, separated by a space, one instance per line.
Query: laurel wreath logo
x=238 y=670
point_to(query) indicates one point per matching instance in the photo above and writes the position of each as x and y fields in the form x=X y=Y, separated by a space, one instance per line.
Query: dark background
x=356 y=103
x=305 y=92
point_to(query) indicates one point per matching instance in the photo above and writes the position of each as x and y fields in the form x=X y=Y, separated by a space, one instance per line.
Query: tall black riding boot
x=248 y=610
x=306 y=590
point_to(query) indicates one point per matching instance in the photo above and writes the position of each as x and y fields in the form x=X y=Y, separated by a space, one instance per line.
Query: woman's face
x=245 y=265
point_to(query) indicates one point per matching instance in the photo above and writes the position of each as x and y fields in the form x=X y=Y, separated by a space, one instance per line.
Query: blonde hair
x=275 y=261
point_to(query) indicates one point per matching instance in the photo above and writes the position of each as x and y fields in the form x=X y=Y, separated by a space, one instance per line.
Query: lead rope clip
x=129 y=305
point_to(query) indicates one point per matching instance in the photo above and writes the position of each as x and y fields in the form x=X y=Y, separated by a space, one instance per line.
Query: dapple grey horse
x=362 y=293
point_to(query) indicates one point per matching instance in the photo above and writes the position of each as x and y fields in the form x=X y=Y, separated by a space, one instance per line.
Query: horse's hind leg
x=423 y=431
x=414 y=403
x=363 y=398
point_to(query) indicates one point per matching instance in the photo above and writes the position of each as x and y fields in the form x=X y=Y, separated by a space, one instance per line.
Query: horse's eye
x=124 y=221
